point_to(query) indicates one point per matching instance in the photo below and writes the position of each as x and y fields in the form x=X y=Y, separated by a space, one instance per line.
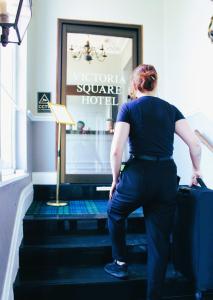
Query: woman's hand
x=112 y=189
x=195 y=175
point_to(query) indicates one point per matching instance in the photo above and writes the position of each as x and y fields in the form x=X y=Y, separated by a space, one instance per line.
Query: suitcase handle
x=201 y=182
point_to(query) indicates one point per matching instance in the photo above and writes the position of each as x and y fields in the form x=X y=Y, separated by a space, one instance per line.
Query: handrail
x=204 y=140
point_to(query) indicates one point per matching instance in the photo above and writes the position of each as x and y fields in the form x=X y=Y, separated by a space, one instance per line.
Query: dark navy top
x=152 y=125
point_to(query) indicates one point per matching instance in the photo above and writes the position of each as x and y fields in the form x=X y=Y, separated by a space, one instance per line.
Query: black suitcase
x=193 y=236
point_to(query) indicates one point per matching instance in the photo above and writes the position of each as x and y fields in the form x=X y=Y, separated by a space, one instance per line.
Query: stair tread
x=81 y=241
x=80 y=275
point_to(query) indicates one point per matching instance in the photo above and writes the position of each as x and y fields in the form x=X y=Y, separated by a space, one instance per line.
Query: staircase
x=64 y=250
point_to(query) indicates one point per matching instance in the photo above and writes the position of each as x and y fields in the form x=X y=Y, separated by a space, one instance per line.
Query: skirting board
x=44 y=177
x=25 y=200
x=40 y=117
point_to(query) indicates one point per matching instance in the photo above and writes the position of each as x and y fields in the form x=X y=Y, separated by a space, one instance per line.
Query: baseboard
x=25 y=200
x=40 y=117
x=44 y=177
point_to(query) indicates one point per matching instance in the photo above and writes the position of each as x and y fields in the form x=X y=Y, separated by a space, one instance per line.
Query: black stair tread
x=81 y=241
x=79 y=275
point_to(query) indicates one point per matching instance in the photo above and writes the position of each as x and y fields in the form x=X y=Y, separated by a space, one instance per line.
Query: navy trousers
x=153 y=185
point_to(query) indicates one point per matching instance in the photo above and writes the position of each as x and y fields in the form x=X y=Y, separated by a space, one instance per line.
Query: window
x=12 y=107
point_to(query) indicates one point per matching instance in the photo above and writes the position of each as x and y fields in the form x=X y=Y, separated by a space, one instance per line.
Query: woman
x=149 y=178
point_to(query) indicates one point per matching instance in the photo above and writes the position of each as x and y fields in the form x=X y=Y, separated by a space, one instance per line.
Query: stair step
x=71 y=191
x=76 y=275
x=64 y=250
x=77 y=250
x=82 y=240
x=90 y=283
x=56 y=226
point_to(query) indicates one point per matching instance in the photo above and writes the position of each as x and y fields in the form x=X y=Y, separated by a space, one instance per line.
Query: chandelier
x=89 y=53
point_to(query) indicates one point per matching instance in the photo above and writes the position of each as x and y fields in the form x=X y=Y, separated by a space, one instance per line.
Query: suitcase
x=193 y=236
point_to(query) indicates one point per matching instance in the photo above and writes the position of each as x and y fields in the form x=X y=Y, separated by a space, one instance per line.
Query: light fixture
x=89 y=53
x=14 y=19
x=210 y=30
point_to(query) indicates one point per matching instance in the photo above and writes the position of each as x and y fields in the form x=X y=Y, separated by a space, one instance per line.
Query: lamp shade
x=15 y=16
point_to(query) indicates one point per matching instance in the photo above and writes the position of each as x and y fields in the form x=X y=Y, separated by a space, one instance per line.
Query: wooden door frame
x=108 y=29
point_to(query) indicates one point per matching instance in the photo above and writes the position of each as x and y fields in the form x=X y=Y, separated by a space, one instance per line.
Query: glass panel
x=12 y=35
x=24 y=18
x=98 y=71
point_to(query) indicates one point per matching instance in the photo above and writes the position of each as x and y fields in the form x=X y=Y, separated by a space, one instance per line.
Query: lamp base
x=55 y=203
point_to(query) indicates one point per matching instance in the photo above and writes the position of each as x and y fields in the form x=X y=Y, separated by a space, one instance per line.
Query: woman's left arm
x=119 y=140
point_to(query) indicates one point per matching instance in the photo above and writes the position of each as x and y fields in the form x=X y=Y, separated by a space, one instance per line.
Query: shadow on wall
x=181 y=154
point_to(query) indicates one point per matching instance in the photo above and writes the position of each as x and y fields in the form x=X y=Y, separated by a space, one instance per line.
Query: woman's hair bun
x=144 y=78
x=149 y=74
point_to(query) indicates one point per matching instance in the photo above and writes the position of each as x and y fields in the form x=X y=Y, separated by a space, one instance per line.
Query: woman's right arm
x=184 y=131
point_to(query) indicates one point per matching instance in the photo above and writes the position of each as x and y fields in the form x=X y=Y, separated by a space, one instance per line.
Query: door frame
x=89 y=27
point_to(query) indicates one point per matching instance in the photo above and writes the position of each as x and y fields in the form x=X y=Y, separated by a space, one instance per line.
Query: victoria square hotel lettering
x=98 y=94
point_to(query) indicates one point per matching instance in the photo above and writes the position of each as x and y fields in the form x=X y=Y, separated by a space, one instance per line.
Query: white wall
x=188 y=69
x=42 y=41
x=188 y=55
